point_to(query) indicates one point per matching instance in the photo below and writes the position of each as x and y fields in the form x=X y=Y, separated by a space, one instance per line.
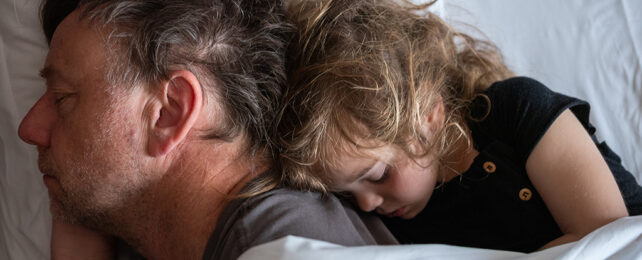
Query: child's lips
x=397 y=213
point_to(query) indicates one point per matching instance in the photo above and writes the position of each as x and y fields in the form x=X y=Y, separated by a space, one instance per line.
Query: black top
x=494 y=204
x=269 y=216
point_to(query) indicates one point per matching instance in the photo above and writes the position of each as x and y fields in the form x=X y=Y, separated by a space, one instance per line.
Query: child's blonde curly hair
x=373 y=70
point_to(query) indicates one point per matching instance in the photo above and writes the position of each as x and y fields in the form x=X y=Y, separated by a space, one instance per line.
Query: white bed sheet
x=24 y=210
x=589 y=49
x=621 y=239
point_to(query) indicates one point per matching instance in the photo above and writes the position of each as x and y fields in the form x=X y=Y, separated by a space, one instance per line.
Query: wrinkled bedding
x=621 y=239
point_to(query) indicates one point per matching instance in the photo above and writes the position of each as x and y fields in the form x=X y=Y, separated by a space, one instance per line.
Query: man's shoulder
x=271 y=215
x=282 y=212
x=284 y=199
x=285 y=211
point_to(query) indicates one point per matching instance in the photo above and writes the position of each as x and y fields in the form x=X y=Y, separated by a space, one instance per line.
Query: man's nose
x=35 y=127
x=368 y=200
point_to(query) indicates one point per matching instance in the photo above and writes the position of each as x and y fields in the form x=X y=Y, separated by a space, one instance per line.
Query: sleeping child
x=426 y=126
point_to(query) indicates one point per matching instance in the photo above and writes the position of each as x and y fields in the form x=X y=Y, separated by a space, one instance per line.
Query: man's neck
x=176 y=220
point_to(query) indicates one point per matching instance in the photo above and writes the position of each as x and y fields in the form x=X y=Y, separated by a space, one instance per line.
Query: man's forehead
x=77 y=48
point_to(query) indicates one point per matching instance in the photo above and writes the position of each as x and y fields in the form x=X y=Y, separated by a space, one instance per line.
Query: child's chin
x=410 y=213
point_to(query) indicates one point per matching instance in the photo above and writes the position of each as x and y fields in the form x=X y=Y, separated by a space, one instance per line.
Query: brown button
x=489 y=167
x=525 y=194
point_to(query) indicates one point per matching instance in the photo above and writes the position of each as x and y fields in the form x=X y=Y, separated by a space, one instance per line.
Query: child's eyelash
x=384 y=175
x=344 y=194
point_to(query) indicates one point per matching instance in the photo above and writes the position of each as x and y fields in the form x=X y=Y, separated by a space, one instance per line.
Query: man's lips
x=49 y=180
x=46 y=173
x=45 y=168
x=46 y=176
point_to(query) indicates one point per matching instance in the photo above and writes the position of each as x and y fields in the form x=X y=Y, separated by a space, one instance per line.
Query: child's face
x=392 y=184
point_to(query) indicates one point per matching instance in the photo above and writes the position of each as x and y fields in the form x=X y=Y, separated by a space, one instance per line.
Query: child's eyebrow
x=362 y=173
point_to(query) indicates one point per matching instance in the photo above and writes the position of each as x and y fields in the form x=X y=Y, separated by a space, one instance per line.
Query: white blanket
x=621 y=239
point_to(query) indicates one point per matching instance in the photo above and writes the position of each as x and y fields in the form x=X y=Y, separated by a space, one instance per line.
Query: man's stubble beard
x=100 y=202
x=99 y=187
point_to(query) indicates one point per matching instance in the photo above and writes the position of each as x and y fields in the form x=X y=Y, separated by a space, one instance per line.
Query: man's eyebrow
x=48 y=72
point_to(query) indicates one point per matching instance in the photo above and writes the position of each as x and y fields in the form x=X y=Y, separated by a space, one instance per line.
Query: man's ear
x=181 y=102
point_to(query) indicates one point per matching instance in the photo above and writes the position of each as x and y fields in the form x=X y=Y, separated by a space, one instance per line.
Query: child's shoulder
x=528 y=97
x=519 y=110
x=518 y=87
x=513 y=97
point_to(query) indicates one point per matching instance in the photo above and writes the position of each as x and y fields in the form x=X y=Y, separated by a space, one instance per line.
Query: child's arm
x=573 y=179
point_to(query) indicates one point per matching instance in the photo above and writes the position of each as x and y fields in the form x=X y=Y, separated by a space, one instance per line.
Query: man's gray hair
x=236 y=45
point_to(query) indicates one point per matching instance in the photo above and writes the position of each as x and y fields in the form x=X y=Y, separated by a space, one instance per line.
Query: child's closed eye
x=382 y=176
x=344 y=194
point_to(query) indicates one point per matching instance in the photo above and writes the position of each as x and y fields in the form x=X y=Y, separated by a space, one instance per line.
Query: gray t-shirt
x=263 y=218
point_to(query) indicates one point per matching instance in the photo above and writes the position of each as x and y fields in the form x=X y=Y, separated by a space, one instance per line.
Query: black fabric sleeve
x=522 y=109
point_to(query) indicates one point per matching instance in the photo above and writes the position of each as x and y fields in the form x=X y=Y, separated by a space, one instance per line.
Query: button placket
x=525 y=194
x=489 y=167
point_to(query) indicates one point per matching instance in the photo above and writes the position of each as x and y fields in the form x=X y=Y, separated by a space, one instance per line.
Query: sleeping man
x=154 y=128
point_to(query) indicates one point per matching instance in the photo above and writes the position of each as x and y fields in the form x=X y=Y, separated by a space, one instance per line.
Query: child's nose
x=35 y=127
x=368 y=201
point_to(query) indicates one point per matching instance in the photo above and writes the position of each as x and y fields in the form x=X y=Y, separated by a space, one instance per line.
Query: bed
x=621 y=239
x=588 y=49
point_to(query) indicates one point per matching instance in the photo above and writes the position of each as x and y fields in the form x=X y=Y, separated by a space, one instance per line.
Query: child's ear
x=433 y=120
x=180 y=104
x=436 y=117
